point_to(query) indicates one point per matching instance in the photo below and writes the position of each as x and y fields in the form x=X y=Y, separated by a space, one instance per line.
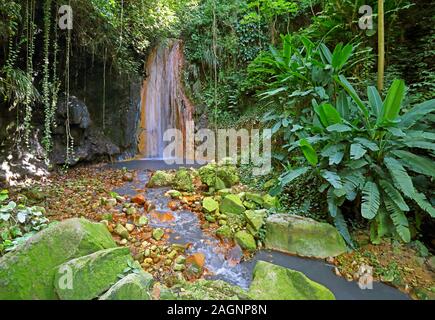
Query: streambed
x=186 y=229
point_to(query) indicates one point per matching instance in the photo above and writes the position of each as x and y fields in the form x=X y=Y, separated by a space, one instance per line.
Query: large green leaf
x=399 y=220
x=424 y=204
x=357 y=151
x=416 y=113
x=394 y=194
x=333 y=178
x=289 y=176
x=309 y=152
x=343 y=105
x=370 y=200
x=375 y=101
x=351 y=91
x=416 y=163
x=341 y=225
x=328 y=115
x=393 y=101
x=400 y=177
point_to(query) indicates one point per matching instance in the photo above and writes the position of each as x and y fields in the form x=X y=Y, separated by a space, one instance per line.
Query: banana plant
x=368 y=152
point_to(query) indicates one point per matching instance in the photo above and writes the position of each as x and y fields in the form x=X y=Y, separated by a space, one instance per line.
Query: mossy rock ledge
x=303 y=236
x=135 y=286
x=28 y=272
x=272 y=282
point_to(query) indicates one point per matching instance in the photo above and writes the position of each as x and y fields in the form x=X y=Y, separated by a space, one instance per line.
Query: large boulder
x=160 y=179
x=245 y=240
x=210 y=205
x=135 y=286
x=303 y=236
x=232 y=204
x=28 y=272
x=255 y=219
x=272 y=282
x=91 y=275
x=183 y=180
x=209 y=290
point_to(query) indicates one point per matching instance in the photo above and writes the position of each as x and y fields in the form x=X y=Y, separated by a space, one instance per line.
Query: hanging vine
x=55 y=84
x=104 y=88
x=30 y=48
x=46 y=141
x=69 y=137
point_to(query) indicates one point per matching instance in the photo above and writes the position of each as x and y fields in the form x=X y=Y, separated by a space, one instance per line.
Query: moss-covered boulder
x=220 y=176
x=28 y=272
x=224 y=232
x=245 y=240
x=209 y=290
x=232 y=204
x=272 y=282
x=135 y=286
x=255 y=219
x=254 y=197
x=209 y=205
x=91 y=275
x=303 y=236
x=270 y=202
x=160 y=179
x=183 y=180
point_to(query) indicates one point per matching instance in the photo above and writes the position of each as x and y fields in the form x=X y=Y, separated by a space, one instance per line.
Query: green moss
x=160 y=179
x=183 y=180
x=209 y=290
x=209 y=204
x=135 y=286
x=272 y=282
x=224 y=232
x=28 y=272
x=245 y=240
x=92 y=274
x=232 y=204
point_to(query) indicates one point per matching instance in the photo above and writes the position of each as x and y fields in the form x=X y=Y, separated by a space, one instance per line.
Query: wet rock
x=224 y=232
x=27 y=273
x=431 y=263
x=92 y=274
x=245 y=240
x=224 y=192
x=254 y=197
x=174 y=194
x=121 y=231
x=183 y=180
x=209 y=290
x=303 y=236
x=272 y=282
x=270 y=202
x=255 y=219
x=232 y=204
x=158 y=234
x=210 y=205
x=135 y=286
x=131 y=211
x=160 y=179
x=198 y=259
x=128 y=177
x=180 y=260
x=179 y=267
x=142 y=221
x=139 y=199
x=129 y=227
x=210 y=218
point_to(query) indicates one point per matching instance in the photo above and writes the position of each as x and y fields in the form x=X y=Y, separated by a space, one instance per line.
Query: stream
x=186 y=229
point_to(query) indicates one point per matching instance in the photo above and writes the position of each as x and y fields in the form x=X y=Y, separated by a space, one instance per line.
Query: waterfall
x=163 y=102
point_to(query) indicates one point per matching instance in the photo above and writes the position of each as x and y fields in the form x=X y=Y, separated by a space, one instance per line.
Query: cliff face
x=164 y=104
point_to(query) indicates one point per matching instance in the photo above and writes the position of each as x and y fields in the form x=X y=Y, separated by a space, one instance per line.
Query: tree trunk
x=381 y=45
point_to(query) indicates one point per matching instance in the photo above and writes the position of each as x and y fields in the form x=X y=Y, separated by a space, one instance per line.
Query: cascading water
x=163 y=102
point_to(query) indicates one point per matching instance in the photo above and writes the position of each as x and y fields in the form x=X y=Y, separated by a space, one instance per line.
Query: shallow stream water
x=186 y=229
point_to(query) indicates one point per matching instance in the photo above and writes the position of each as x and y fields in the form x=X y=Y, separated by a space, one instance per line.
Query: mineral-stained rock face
x=303 y=236
x=272 y=282
x=91 y=275
x=90 y=144
x=28 y=272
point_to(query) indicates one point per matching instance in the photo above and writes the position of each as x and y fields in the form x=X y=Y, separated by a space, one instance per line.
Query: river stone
x=254 y=197
x=121 y=231
x=158 y=233
x=209 y=204
x=270 y=202
x=92 y=274
x=142 y=221
x=224 y=232
x=303 y=236
x=135 y=286
x=174 y=194
x=255 y=219
x=160 y=179
x=28 y=272
x=183 y=180
x=245 y=240
x=272 y=282
x=232 y=204
x=209 y=290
